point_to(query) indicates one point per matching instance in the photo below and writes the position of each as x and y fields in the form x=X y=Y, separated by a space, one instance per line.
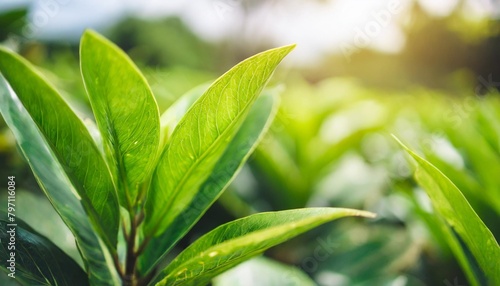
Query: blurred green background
x=426 y=71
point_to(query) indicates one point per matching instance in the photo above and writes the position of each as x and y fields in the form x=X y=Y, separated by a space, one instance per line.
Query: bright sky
x=316 y=26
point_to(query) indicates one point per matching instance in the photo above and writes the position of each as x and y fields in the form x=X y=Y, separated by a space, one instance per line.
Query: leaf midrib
x=122 y=175
x=58 y=156
x=121 y=168
x=262 y=232
x=203 y=156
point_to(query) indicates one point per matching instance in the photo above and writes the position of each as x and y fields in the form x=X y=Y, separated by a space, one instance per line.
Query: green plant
x=324 y=149
x=470 y=240
x=129 y=193
x=307 y=141
x=458 y=134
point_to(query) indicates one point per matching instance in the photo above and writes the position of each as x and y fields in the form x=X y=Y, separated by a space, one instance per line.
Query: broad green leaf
x=31 y=205
x=125 y=111
x=36 y=260
x=202 y=136
x=170 y=118
x=69 y=140
x=227 y=167
x=451 y=204
x=263 y=271
x=57 y=187
x=239 y=240
x=462 y=254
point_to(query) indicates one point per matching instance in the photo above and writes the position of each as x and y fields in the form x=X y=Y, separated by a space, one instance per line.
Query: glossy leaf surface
x=37 y=261
x=171 y=117
x=202 y=136
x=57 y=187
x=125 y=111
x=239 y=240
x=227 y=167
x=68 y=139
x=451 y=204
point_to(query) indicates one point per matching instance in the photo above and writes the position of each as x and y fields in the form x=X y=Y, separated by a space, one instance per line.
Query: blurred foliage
x=330 y=144
x=12 y=21
x=163 y=43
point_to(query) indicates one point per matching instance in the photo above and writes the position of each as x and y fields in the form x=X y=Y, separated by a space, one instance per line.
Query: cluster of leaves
x=308 y=135
x=296 y=166
x=459 y=176
x=132 y=186
x=470 y=240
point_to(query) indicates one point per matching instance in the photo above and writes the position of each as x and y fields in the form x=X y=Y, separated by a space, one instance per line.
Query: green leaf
x=450 y=203
x=202 y=136
x=125 y=111
x=263 y=271
x=57 y=187
x=35 y=259
x=31 y=206
x=69 y=141
x=170 y=118
x=227 y=167
x=236 y=241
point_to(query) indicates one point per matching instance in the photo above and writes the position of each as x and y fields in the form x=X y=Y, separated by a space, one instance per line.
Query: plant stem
x=129 y=278
x=117 y=265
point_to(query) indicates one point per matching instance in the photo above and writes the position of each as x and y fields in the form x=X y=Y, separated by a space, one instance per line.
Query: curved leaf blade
x=57 y=187
x=236 y=241
x=126 y=113
x=171 y=117
x=69 y=141
x=228 y=166
x=202 y=136
x=451 y=204
x=37 y=260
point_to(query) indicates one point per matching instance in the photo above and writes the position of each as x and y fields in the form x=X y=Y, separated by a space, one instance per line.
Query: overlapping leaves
x=168 y=172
